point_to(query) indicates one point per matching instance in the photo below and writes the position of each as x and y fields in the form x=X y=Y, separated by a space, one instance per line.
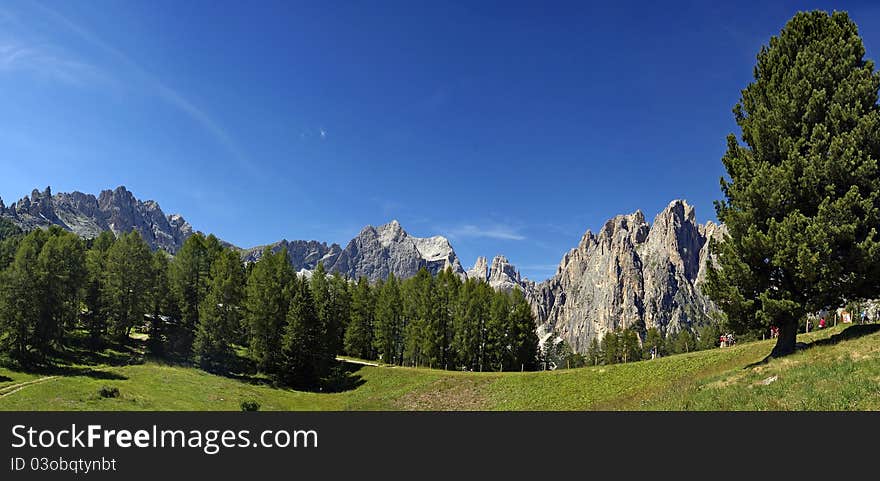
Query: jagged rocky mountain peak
x=480 y=270
x=630 y=274
x=86 y=215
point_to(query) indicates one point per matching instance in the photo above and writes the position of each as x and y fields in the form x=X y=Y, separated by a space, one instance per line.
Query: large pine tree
x=802 y=197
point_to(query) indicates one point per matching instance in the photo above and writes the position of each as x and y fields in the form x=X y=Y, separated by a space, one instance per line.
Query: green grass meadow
x=840 y=370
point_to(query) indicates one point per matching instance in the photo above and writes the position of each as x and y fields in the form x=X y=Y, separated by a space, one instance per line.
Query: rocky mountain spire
x=630 y=274
x=480 y=270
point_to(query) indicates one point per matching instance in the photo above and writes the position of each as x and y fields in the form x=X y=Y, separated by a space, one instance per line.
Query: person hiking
x=822 y=323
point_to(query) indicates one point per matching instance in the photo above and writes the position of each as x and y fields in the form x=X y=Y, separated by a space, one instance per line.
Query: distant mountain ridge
x=629 y=274
x=115 y=210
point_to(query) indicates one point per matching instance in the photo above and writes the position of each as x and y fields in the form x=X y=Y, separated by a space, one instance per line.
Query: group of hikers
x=727 y=340
x=822 y=324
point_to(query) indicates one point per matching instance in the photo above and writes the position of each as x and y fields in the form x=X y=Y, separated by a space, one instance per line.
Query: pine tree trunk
x=785 y=342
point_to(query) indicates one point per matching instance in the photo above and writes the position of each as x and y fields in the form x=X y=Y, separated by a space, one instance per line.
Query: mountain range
x=629 y=274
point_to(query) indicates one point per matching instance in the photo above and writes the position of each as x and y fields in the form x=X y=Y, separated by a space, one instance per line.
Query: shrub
x=108 y=392
x=250 y=405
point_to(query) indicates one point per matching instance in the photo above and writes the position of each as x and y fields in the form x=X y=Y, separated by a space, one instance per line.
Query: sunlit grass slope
x=840 y=370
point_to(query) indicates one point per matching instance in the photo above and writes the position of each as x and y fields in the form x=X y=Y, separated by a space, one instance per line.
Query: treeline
x=203 y=305
x=630 y=345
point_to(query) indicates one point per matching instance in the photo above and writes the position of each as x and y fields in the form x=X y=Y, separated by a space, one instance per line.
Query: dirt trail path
x=364 y=363
x=14 y=388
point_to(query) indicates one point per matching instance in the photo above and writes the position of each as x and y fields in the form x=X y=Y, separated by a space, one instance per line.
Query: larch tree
x=220 y=313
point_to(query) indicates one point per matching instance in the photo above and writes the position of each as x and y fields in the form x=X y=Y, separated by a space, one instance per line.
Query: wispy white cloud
x=323 y=133
x=155 y=85
x=45 y=62
x=495 y=231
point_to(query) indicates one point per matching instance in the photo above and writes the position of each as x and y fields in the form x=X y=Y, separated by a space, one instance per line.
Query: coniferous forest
x=204 y=306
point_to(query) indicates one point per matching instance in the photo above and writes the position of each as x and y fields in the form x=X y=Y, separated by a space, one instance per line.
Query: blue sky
x=510 y=128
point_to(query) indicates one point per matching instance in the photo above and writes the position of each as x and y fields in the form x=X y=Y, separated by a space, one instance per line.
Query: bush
x=108 y=392
x=250 y=405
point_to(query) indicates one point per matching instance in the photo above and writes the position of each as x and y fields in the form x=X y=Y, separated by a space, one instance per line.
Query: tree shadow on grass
x=853 y=332
x=344 y=377
x=5 y=379
x=70 y=371
x=84 y=351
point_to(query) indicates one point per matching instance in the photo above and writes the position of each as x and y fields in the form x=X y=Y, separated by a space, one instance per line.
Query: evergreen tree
x=127 y=284
x=611 y=347
x=330 y=314
x=306 y=362
x=413 y=341
x=10 y=236
x=267 y=304
x=388 y=332
x=162 y=302
x=21 y=299
x=499 y=342
x=446 y=288
x=594 y=353
x=190 y=275
x=8 y=229
x=523 y=334
x=340 y=311
x=96 y=259
x=654 y=340
x=469 y=319
x=220 y=313
x=62 y=270
x=630 y=349
x=419 y=318
x=684 y=341
x=359 y=335
x=802 y=201
x=708 y=336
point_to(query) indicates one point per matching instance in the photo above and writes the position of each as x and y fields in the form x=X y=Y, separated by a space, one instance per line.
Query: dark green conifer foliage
x=306 y=360
x=359 y=334
x=802 y=197
x=190 y=273
x=126 y=284
x=267 y=303
x=95 y=316
x=21 y=299
x=62 y=270
x=221 y=313
x=162 y=302
x=388 y=333
x=523 y=336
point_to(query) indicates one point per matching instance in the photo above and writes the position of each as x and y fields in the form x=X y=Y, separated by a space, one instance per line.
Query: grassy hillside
x=840 y=370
